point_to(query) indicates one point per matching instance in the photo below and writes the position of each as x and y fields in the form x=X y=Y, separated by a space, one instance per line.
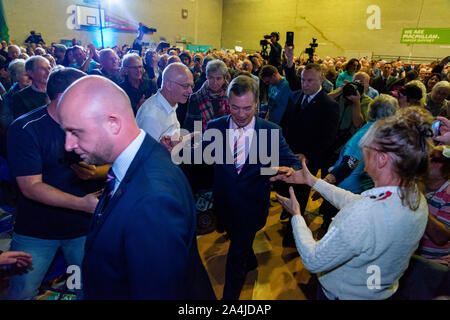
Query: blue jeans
x=26 y=285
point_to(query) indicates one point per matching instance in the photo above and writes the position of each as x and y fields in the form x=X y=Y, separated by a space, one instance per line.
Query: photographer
x=137 y=43
x=353 y=105
x=34 y=38
x=275 y=51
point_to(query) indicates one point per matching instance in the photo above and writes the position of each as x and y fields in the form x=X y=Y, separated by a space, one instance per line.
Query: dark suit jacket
x=101 y=72
x=379 y=85
x=311 y=131
x=243 y=199
x=144 y=244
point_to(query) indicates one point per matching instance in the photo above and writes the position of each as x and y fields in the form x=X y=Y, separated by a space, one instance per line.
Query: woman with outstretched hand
x=369 y=243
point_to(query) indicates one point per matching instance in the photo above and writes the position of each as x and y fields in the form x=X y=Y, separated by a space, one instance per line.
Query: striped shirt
x=439 y=207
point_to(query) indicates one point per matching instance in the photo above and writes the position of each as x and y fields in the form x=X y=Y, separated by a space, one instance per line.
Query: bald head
x=177 y=83
x=109 y=60
x=98 y=119
x=174 y=71
x=173 y=59
x=364 y=78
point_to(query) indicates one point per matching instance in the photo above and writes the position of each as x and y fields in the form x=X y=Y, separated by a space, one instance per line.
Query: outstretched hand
x=290 y=204
x=302 y=176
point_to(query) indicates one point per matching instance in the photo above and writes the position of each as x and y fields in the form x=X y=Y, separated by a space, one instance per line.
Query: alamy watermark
x=73 y=281
x=210 y=148
x=374 y=280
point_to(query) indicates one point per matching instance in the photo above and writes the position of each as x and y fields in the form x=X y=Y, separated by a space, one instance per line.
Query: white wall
x=203 y=25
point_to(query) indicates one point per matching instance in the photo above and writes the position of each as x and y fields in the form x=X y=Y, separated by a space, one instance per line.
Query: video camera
x=264 y=43
x=144 y=29
x=162 y=45
x=310 y=51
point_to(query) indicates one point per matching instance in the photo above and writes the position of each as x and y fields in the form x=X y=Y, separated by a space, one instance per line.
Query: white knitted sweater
x=372 y=234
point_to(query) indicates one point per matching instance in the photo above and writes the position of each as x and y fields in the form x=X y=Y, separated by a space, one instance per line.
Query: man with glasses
x=136 y=87
x=157 y=116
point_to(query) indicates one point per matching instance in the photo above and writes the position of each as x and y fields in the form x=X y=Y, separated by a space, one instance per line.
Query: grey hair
x=16 y=69
x=128 y=57
x=102 y=53
x=406 y=137
x=15 y=46
x=217 y=66
x=30 y=62
x=206 y=60
x=442 y=84
x=243 y=84
x=382 y=107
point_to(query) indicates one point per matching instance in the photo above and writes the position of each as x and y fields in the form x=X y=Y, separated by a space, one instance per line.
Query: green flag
x=3 y=27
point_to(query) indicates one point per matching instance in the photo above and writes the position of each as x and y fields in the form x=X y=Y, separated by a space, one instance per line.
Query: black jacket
x=312 y=130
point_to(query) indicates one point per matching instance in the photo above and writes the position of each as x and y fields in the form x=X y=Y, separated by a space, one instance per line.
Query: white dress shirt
x=123 y=161
x=158 y=118
x=233 y=133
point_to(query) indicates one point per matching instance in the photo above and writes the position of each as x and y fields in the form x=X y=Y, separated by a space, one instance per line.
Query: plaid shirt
x=200 y=103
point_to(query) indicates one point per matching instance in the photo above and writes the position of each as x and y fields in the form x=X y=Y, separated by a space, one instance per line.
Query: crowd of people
x=75 y=117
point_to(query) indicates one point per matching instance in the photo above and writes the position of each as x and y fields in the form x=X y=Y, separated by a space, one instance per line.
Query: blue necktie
x=305 y=101
x=109 y=187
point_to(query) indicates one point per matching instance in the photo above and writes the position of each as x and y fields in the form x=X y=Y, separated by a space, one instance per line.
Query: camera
x=162 y=45
x=264 y=43
x=267 y=36
x=351 y=88
x=312 y=48
x=144 y=29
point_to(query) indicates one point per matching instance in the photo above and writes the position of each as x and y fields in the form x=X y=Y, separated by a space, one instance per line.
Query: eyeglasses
x=135 y=67
x=185 y=86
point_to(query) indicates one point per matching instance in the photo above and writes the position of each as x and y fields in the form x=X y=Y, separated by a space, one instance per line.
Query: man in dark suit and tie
x=241 y=187
x=385 y=82
x=142 y=242
x=310 y=126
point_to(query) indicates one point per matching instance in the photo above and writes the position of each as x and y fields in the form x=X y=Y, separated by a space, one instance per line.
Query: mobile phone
x=436 y=127
x=289 y=38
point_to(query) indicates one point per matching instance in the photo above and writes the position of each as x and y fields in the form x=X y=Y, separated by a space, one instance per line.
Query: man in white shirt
x=157 y=116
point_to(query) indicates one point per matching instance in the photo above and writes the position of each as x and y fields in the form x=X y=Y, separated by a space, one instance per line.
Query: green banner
x=425 y=36
x=197 y=48
x=3 y=27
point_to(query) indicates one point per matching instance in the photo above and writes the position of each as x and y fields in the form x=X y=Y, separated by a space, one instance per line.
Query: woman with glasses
x=369 y=243
x=211 y=100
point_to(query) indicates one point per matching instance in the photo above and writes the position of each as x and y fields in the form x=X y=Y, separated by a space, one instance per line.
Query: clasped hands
x=289 y=175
